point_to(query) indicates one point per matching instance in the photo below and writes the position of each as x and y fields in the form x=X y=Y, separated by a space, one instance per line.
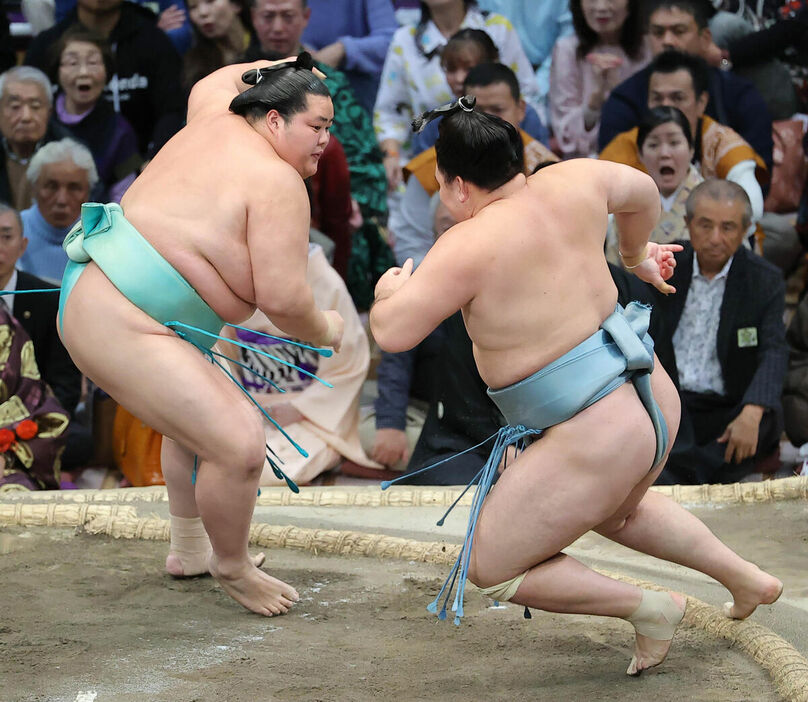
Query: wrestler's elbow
x=390 y=337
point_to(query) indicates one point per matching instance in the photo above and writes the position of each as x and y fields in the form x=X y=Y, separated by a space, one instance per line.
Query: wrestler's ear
x=275 y=121
x=462 y=190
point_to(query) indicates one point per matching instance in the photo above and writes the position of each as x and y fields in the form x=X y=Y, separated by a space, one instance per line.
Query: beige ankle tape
x=504 y=591
x=657 y=616
x=188 y=536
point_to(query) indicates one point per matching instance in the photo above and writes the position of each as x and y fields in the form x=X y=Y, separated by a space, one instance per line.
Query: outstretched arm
x=214 y=92
x=409 y=305
x=633 y=199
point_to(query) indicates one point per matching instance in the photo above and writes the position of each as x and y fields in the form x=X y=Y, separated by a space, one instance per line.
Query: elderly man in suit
x=726 y=323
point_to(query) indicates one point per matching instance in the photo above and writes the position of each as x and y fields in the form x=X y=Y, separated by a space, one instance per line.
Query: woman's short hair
x=284 y=88
x=60 y=151
x=489 y=53
x=27 y=74
x=632 y=34
x=658 y=116
x=477 y=147
x=80 y=33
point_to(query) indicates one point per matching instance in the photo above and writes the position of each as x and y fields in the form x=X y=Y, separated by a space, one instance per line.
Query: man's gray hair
x=27 y=74
x=717 y=189
x=60 y=151
x=5 y=207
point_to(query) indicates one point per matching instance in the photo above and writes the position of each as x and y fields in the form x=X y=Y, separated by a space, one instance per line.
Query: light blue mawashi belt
x=621 y=350
x=145 y=278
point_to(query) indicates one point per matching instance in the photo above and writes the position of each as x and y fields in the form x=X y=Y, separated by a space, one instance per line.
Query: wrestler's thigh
x=667 y=397
x=570 y=480
x=157 y=376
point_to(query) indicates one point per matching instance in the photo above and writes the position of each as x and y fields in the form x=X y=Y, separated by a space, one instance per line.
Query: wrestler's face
x=496 y=99
x=666 y=156
x=24 y=112
x=12 y=243
x=59 y=191
x=82 y=75
x=676 y=90
x=605 y=17
x=672 y=28
x=212 y=18
x=717 y=229
x=301 y=141
x=279 y=24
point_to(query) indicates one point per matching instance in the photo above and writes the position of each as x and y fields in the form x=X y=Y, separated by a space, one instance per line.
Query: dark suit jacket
x=36 y=313
x=754 y=297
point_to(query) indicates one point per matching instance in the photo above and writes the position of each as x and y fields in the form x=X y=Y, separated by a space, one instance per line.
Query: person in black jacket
x=146 y=86
x=683 y=25
x=726 y=325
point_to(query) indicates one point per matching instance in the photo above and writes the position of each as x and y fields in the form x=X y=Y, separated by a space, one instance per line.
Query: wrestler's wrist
x=631 y=262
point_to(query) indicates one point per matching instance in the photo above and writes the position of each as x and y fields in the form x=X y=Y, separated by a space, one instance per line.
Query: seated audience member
x=665 y=146
x=82 y=63
x=172 y=18
x=465 y=50
x=680 y=80
x=608 y=46
x=497 y=92
x=146 y=85
x=352 y=36
x=33 y=427
x=322 y=420
x=26 y=99
x=767 y=54
x=36 y=312
x=413 y=81
x=62 y=175
x=279 y=25
x=682 y=25
x=726 y=321
x=540 y=26
x=220 y=37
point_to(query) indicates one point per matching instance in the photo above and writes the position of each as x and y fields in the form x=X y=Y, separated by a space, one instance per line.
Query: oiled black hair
x=284 y=88
x=659 y=116
x=479 y=148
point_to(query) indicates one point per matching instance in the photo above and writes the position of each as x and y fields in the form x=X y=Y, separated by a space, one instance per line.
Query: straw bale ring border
x=787 y=668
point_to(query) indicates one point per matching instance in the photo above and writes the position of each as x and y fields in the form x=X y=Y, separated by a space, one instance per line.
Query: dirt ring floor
x=91 y=618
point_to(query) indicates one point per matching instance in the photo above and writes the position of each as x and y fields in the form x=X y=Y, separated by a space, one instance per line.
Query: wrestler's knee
x=245 y=447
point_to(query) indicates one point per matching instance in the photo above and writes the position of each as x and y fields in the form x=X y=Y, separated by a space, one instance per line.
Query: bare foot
x=650 y=652
x=756 y=589
x=253 y=588
x=179 y=567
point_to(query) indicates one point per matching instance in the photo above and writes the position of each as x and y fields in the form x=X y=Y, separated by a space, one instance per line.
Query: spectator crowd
x=709 y=97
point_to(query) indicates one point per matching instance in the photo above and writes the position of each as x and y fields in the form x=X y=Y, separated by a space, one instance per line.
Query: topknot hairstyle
x=479 y=148
x=284 y=87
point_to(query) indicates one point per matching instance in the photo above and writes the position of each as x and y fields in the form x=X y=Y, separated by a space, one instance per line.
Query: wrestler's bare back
x=196 y=198
x=527 y=270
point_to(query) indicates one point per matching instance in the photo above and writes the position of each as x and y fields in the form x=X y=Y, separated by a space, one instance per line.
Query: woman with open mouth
x=83 y=64
x=665 y=145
